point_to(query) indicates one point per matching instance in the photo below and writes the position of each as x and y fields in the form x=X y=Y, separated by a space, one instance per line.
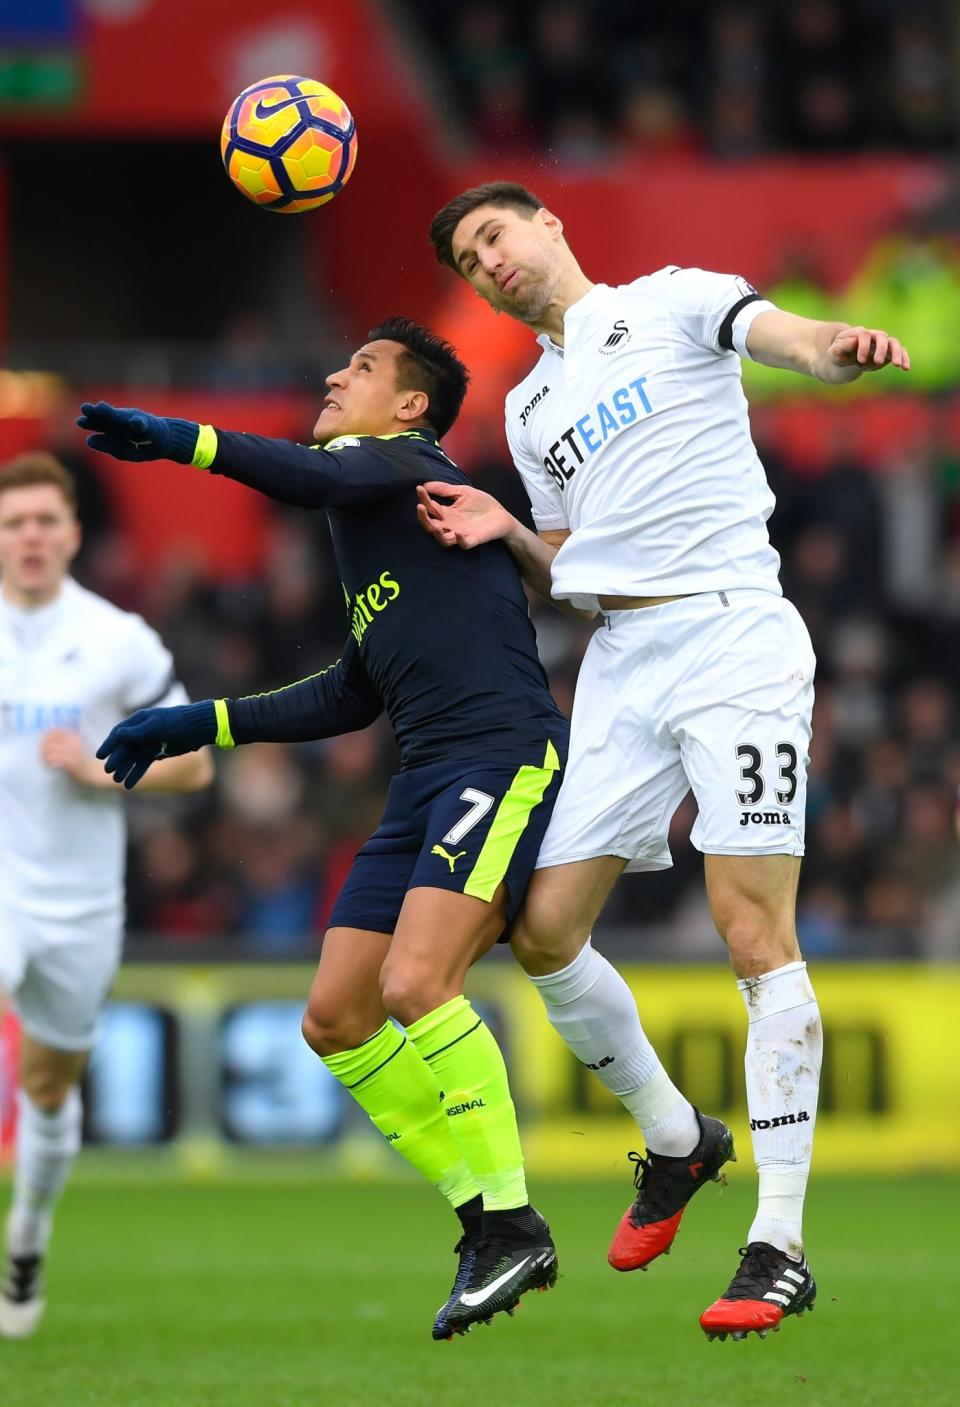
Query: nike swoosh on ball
x=263 y=112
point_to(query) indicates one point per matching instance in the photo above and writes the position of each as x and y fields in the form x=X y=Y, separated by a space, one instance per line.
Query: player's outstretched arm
x=831 y=351
x=306 y=476
x=340 y=699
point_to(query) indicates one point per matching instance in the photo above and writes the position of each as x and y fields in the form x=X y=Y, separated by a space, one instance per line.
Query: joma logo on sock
x=464 y=1108
x=601 y=1064
x=765 y=818
x=802 y=1118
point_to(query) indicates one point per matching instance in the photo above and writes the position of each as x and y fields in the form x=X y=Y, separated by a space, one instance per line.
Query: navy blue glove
x=128 y=433
x=130 y=747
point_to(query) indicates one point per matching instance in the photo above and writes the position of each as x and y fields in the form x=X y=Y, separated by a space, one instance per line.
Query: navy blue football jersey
x=439 y=638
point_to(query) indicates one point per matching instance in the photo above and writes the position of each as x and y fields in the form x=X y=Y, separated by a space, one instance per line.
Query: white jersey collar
x=37 y=619
x=576 y=312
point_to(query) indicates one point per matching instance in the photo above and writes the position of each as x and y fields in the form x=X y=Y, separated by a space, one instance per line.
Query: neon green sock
x=467 y=1062
x=389 y=1078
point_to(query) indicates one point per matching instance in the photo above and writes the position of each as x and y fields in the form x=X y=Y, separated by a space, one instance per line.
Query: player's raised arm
x=830 y=351
x=340 y=699
x=302 y=475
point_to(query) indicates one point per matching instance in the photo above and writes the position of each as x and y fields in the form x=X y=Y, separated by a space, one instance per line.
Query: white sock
x=782 y=1063
x=592 y=1009
x=46 y=1147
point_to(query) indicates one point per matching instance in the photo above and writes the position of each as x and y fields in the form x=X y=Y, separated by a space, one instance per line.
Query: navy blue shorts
x=467 y=826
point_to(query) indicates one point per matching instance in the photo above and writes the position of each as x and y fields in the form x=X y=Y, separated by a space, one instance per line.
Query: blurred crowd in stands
x=871 y=557
x=587 y=77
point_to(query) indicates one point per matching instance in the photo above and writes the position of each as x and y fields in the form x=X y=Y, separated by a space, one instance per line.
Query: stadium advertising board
x=209 y=1060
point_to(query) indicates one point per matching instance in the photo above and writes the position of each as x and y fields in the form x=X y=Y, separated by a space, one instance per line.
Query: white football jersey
x=635 y=435
x=78 y=663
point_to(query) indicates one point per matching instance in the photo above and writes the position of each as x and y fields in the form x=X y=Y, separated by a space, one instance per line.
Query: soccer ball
x=288 y=143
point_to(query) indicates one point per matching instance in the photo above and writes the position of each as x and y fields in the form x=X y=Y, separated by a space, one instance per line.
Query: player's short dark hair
x=429 y=364
x=38 y=467
x=503 y=193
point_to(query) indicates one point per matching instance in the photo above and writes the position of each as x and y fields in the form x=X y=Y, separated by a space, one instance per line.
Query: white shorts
x=57 y=972
x=713 y=692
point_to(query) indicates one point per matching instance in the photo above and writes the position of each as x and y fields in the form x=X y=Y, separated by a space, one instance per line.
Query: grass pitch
x=291 y=1295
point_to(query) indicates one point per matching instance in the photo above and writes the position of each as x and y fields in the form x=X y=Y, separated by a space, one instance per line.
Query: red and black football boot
x=664 y=1187
x=767 y=1287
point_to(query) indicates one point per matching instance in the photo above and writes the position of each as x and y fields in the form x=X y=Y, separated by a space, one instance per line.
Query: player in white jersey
x=632 y=437
x=71 y=666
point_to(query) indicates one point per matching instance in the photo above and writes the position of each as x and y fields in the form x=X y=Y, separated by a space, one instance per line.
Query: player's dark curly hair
x=503 y=193
x=429 y=364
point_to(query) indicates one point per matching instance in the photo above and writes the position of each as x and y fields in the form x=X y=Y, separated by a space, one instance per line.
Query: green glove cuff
x=224 y=735
x=206 y=451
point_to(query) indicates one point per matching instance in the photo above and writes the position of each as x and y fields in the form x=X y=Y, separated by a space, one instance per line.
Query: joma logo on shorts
x=765 y=818
x=802 y=1118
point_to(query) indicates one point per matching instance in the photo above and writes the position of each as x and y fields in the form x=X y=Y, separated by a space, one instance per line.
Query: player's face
x=513 y=262
x=39 y=537
x=363 y=398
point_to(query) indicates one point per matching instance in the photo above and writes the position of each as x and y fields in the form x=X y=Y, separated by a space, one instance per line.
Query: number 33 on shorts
x=763 y=804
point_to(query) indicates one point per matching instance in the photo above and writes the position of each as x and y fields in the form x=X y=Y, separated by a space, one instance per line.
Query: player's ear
x=413 y=406
x=553 y=223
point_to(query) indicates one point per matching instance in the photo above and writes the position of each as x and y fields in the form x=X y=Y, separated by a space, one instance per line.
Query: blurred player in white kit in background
x=71 y=666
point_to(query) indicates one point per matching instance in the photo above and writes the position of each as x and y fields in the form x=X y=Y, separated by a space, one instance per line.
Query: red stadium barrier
x=156 y=73
x=3 y=257
x=633 y=216
x=9 y=1060
x=162 y=508
x=878 y=431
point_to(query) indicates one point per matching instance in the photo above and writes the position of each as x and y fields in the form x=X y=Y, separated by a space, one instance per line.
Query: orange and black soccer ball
x=289 y=144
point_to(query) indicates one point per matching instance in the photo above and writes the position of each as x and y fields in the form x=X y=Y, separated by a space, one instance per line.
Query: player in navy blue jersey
x=445 y=645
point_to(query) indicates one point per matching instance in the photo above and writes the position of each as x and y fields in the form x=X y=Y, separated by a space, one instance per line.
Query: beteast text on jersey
x=595 y=428
x=24 y=716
